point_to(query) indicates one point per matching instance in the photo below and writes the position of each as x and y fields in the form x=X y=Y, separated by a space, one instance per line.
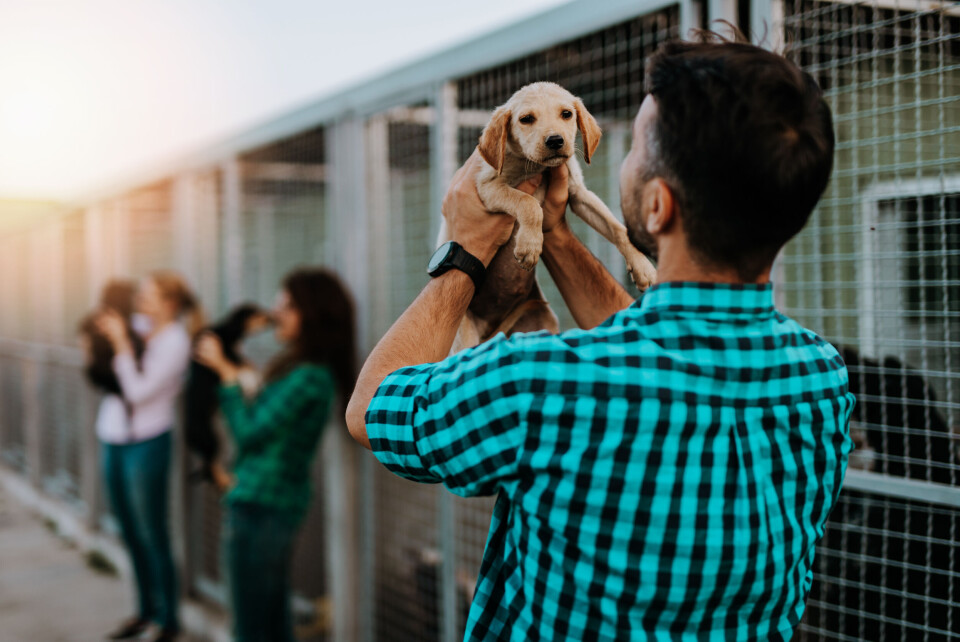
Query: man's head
x=732 y=149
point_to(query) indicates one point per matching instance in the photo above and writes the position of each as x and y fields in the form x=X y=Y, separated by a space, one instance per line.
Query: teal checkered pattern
x=664 y=476
x=276 y=437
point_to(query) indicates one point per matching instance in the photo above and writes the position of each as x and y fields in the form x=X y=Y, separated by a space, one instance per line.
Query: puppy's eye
x=566 y=114
x=528 y=119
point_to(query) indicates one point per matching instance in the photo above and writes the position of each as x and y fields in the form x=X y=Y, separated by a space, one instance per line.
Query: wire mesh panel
x=403 y=226
x=75 y=275
x=149 y=225
x=877 y=271
x=886 y=570
x=64 y=424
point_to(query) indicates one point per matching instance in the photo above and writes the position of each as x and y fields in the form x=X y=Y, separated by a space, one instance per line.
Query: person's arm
x=161 y=367
x=276 y=408
x=591 y=293
x=424 y=333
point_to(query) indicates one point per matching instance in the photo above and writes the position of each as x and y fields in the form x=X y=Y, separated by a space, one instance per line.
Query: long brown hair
x=327 y=328
x=174 y=287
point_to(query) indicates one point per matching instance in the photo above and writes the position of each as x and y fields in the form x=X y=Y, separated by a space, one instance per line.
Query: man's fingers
x=557 y=191
x=530 y=185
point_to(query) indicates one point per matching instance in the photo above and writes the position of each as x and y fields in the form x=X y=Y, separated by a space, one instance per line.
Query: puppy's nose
x=554 y=142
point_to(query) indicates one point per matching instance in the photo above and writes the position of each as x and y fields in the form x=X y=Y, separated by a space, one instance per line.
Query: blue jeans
x=257 y=549
x=137 y=477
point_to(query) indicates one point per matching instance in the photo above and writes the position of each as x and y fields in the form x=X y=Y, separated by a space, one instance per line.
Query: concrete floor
x=47 y=591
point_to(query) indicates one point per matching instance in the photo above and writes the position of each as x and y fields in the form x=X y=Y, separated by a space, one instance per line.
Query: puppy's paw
x=641 y=271
x=528 y=248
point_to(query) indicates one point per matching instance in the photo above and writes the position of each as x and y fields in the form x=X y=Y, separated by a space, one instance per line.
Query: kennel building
x=355 y=181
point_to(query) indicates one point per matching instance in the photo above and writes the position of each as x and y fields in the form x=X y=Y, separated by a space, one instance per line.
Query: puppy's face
x=544 y=124
x=539 y=123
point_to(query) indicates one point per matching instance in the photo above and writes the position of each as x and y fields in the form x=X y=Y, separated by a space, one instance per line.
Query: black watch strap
x=459 y=258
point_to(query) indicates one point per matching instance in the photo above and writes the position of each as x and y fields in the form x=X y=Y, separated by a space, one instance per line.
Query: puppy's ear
x=589 y=130
x=493 y=140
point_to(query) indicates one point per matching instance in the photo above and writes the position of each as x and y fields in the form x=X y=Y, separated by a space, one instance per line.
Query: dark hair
x=744 y=140
x=327 y=334
x=118 y=296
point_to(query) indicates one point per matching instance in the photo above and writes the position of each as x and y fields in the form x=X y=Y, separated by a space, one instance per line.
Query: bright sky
x=94 y=89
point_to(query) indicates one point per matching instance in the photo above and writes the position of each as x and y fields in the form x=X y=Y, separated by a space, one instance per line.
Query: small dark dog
x=200 y=394
x=117 y=296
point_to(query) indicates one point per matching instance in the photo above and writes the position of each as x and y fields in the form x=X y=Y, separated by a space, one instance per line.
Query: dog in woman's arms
x=532 y=132
x=200 y=394
x=118 y=296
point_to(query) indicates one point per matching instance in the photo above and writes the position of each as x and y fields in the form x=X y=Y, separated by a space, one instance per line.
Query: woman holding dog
x=134 y=428
x=276 y=437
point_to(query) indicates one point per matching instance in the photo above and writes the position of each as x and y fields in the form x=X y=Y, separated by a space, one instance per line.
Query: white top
x=151 y=391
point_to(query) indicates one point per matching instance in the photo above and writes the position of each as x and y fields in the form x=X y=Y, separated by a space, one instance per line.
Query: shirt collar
x=741 y=299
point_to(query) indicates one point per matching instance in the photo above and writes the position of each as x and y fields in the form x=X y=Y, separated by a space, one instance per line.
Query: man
x=665 y=472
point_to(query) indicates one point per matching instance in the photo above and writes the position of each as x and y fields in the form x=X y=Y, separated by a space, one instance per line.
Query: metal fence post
x=346 y=222
x=374 y=181
x=184 y=224
x=690 y=11
x=33 y=440
x=232 y=231
x=443 y=164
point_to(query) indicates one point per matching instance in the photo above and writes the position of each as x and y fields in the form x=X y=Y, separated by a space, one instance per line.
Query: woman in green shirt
x=276 y=436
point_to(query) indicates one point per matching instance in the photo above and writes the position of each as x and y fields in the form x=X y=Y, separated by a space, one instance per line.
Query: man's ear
x=589 y=130
x=493 y=140
x=660 y=206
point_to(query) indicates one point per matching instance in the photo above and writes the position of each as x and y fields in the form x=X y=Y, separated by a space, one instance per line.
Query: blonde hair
x=174 y=287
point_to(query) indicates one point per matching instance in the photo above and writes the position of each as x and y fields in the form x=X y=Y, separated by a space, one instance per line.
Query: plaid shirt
x=276 y=436
x=663 y=476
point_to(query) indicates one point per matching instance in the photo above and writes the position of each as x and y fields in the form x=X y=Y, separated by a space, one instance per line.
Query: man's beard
x=641 y=239
x=637 y=232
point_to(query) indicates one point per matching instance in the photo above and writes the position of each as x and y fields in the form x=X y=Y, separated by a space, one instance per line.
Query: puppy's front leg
x=497 y=196
x=591 y=209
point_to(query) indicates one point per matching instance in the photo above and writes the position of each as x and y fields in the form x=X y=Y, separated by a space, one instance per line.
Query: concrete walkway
x=47 y=591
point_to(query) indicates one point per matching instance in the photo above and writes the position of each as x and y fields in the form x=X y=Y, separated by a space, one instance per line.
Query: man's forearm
x=589 y=290
x=423 y=334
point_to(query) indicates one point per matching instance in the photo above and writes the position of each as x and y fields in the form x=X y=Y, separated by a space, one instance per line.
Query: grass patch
x=100 y=563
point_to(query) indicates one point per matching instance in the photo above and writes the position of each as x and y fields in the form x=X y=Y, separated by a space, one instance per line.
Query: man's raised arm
x=588 y=289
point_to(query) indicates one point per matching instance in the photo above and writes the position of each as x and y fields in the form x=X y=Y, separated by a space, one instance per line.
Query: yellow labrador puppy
x=533 y=131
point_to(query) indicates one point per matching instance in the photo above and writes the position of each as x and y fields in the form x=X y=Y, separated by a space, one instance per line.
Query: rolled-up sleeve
x=460 y=422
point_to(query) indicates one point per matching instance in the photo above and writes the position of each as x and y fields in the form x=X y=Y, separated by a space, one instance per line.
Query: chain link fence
x=355 y=183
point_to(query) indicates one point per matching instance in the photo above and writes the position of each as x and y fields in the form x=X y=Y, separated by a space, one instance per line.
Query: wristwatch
x=451 y=255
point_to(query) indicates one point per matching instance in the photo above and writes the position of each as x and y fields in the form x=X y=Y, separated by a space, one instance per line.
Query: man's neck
x=677 y=263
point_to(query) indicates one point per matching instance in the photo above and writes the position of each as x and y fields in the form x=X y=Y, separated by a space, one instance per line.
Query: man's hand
x=555 y=205
x=481 y=233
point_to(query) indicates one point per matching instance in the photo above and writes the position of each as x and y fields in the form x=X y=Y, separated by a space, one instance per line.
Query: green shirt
x=276 y=436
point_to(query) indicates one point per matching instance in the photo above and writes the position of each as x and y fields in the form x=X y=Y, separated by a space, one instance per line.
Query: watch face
x=439 y=256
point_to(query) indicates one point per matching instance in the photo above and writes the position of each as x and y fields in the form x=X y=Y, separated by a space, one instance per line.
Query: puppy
x=200 y=393
x=117 y=296
x=532 y=132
